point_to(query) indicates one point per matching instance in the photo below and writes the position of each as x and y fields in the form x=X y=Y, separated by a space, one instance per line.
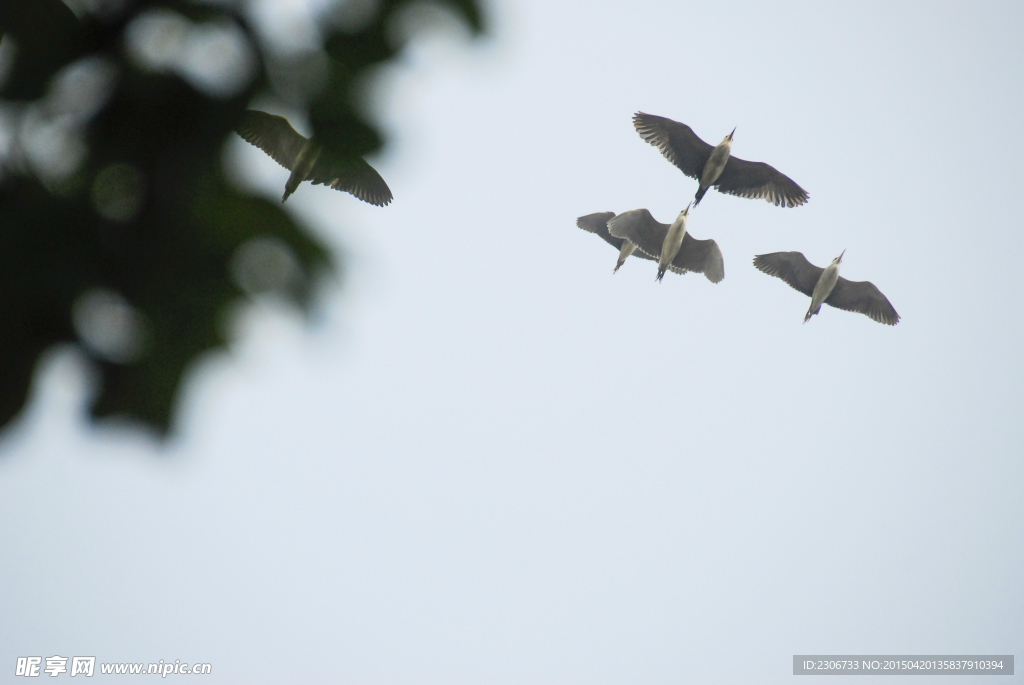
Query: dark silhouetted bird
x=308 y=162
x=714 y=166
x=826 y=286
x=674 y=248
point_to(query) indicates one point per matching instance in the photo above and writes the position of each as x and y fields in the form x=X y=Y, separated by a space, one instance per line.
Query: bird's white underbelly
x=823 y=288
x=715 y=166
x=673 y=241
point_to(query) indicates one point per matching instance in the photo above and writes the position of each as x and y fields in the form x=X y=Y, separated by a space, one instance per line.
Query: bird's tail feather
x=699 y=196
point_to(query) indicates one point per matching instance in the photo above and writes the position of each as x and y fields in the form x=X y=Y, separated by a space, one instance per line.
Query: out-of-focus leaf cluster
x=119 y=231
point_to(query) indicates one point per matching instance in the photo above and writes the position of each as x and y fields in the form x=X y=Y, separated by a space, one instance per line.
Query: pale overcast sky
x=489 y=460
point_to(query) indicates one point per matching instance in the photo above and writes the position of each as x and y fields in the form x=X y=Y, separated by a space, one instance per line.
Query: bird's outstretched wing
x=272 y=134
x=677 y=142
x=640 y=228
x=761 y=181
x=351 y=175
x=643 y=230
x=863 y=297
x=597 y=224
x=701 y=256
x=792 y=267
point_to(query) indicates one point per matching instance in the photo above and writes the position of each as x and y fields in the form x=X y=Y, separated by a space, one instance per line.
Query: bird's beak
x=841 y=255
x=687 y=210
x=733 y=131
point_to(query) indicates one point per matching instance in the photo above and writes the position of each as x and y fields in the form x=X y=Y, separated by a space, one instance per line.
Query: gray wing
x=761 y=181
x=597 y=223
x=677 y=142
x=643 y=230
x=701 y=256
x=272 y=134
x=792 y=267
x=863 y=297
x=352 y=175
x=640 y=228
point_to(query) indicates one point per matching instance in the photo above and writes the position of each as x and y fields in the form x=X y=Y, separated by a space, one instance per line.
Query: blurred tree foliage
x=119 y=231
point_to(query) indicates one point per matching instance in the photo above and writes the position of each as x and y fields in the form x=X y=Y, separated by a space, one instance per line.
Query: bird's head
x=728 y=138
x=839 y=259
x=685 y=213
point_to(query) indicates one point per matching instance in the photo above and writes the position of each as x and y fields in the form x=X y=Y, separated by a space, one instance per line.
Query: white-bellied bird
x=826 y=286
x=598 y=224
x=715 y=166
x=308 y=162
x=672 y=245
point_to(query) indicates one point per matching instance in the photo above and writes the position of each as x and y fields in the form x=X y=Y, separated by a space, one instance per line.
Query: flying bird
x=598 y=224
x=827 y=286
x=673 y=247
x=715 y=166
x=308 y=162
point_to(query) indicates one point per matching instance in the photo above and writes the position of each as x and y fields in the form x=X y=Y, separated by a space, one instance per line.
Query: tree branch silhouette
x=119 y=231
